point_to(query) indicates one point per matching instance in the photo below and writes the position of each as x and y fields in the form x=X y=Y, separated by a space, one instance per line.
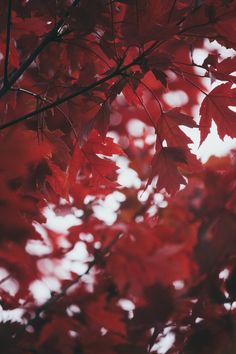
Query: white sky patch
x=176 y=98
x=143 y=195
x=105 y=214
x=165 y=342
x=52 y=283
x=216 y=46
x=150 y=139
x=178 y=284
x=37 y=248
x=86 y=237
x=78 y=253
x=126 y=304
x=228 y=306
x=11 y=315
x=213 y=145
x=199 y=55
x=74 y=266
x=40 y=291
x=76 y=260
x=198 y=320
x=60 y=223
x=129 y=178
x=224 y=274
x=54 y=268
x=136 y=127
x=11 y=286
x=106 y=209
x=3 y=274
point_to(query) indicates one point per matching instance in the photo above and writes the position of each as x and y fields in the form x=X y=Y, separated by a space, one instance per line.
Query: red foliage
x=74 y=76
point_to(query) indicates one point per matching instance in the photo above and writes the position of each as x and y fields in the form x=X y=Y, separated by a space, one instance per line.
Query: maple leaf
x=24 y=26
x=101 y=314
x=165 y=166
x=158 y=63
x=94 y=157
x=226 y=30
x=168 y=127
x=74 y=73
x=19 y=140
x=48 y=339
x=154 y=19
x=58 y=180
x=215 y=106
x=221 y=71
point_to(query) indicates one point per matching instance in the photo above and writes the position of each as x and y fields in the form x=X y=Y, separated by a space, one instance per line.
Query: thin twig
x=143 y=105
x=192 y=83
x=152 y=93
x=8 y=40
x=118 y=71
x=5 y=279
x=45 y=99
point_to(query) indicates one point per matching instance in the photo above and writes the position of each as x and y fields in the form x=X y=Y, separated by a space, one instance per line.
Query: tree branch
x=118 y=71
x=49 y=37
x=8 y=39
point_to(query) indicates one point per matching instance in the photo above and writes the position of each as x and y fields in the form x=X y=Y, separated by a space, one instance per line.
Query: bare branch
x=47 y=100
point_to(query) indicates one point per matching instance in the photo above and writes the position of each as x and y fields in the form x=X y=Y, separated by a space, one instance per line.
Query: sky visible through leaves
x=117 y=177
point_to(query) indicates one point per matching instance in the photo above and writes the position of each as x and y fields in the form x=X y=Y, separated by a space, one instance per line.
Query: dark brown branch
x=49 y=37
x=118 y=71
x=5 y=279
x=8 y=40
x=57 y=102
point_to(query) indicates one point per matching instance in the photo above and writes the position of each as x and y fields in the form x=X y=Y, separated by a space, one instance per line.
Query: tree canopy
x=99 y=101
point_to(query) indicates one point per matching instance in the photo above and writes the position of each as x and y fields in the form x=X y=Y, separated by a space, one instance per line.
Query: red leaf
x=165 y=165
x=221 y=71
x=168 y=127
x=56 y=336
x=215 y=106
x=101 y=314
